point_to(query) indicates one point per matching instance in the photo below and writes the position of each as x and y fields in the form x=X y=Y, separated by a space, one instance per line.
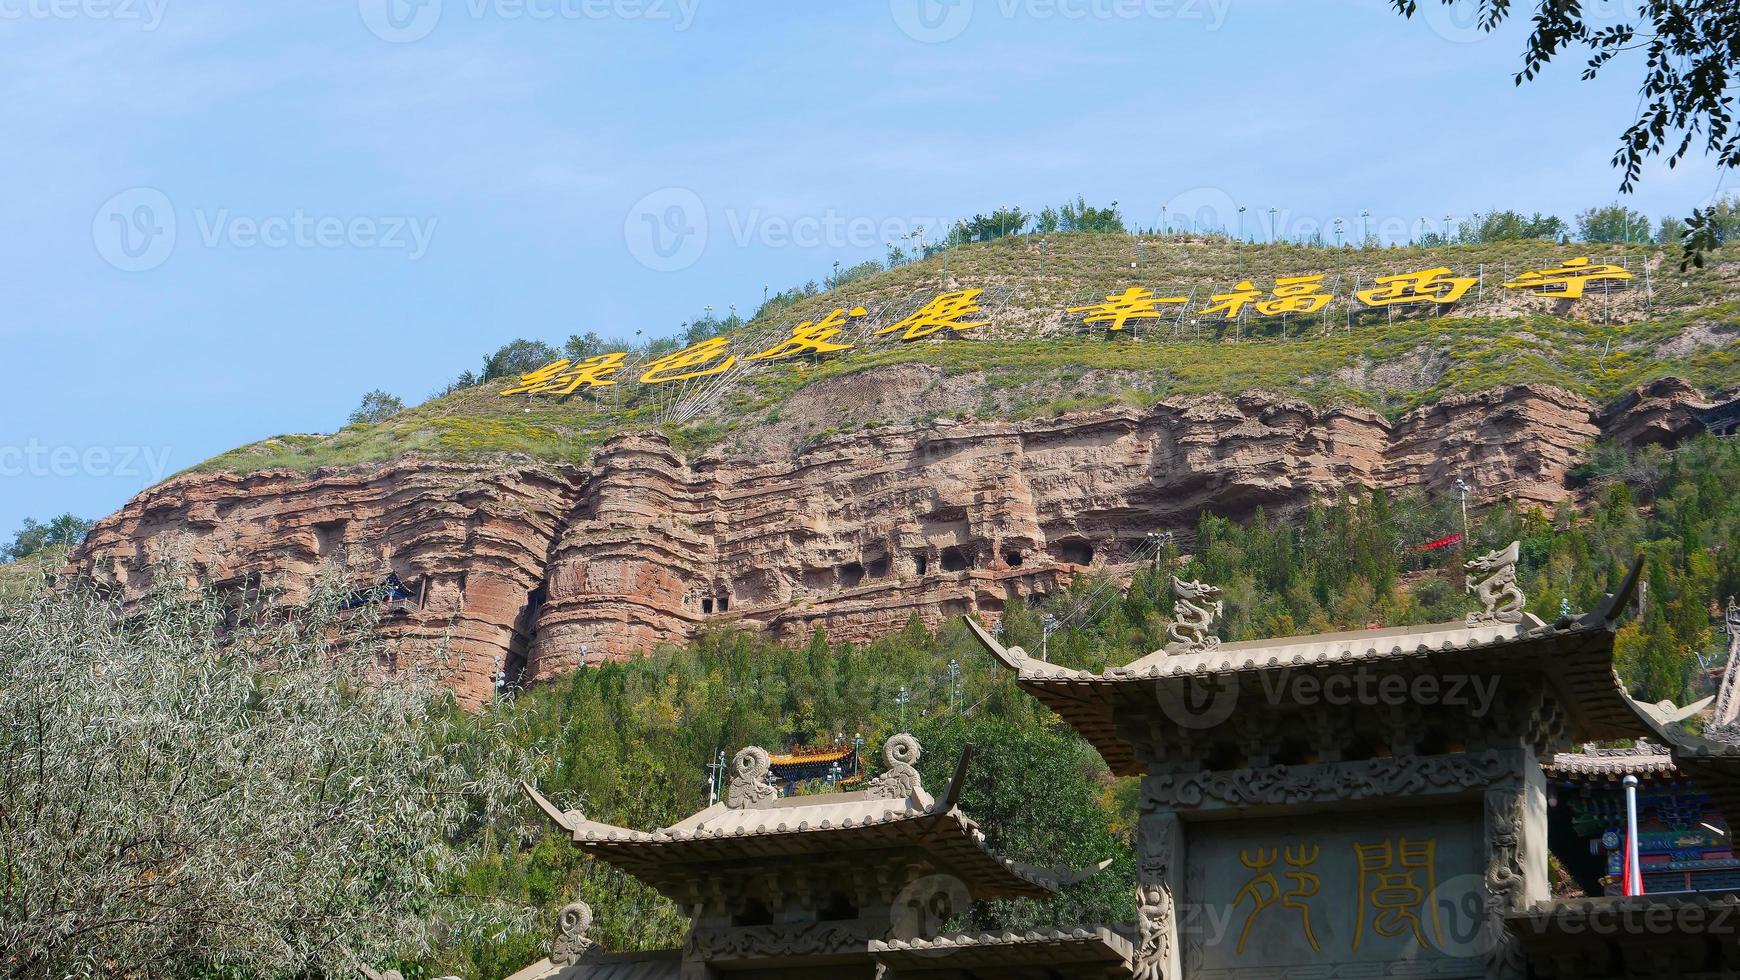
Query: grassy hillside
x=1030 y=361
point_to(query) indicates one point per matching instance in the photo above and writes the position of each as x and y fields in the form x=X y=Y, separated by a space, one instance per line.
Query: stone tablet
x=1391 y=893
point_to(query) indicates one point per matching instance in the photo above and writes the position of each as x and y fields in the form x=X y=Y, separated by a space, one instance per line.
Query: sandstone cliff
x=536 y=568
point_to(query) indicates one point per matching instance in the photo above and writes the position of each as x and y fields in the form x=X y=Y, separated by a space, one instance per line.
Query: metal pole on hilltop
x=1049 y=625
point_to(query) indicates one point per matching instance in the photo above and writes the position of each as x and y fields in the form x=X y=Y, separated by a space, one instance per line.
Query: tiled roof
x=1574 y=656
x=824 y=823
x=1612 y=765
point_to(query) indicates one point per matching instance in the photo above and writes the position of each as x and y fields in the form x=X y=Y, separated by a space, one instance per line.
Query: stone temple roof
x=1593 y=764
x=1575 y=656
x=891 y=814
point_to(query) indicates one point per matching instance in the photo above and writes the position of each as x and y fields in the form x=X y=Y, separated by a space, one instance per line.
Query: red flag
x=1440 y=543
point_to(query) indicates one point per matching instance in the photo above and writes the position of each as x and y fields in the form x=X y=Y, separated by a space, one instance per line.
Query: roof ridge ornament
x=571 y=927
x=751 y=780
x=1500 y=596
x=1194 y=613
x=901 y=781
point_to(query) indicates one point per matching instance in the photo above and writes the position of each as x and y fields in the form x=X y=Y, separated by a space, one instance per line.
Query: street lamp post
x=954 y=682
x=1272 y=238
x=1049 y=625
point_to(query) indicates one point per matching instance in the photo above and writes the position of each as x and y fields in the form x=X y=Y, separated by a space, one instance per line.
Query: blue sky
x=228 y=221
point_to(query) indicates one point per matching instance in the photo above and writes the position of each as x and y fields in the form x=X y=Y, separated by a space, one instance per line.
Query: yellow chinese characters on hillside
x=1118 y=309
x=814 y=336
x=1294 y=295
x=946 y=312
x=709 y=357
x=1567 y=279
x=565 y=377
x=1430 y=286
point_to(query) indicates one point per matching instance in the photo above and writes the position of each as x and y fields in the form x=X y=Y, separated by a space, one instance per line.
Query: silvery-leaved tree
x=220 y=784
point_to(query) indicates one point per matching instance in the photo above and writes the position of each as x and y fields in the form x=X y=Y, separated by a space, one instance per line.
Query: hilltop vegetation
x=1031 y=361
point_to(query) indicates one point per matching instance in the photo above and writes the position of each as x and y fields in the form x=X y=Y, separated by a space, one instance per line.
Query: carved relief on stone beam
x=1506 y=876
x=751 y=780
x=1325 y=782
x=1156 y=920
x=901 y=781
x=1193 y=616
x=1492 y=579
x=763 y=942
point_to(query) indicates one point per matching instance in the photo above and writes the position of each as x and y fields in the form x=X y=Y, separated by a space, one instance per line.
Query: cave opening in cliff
x=1012 y=559
x=920 y=564
x=851 y=573
x=877 y=567
x=706 y=605
x=1075 y=552
x=724 y=602
x=954 y=560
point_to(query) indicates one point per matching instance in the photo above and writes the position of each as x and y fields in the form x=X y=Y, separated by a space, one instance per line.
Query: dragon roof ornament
x=1194 y=613
x=1492 y=579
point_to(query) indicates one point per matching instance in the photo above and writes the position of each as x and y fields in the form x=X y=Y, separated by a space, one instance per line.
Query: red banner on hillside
x=1440 y=543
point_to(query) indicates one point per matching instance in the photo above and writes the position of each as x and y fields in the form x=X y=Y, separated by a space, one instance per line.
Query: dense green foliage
x=65 y=531
x=630 y=742
x=377 y=406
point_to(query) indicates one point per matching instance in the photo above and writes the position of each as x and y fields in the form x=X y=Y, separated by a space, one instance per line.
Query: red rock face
x=539 y=568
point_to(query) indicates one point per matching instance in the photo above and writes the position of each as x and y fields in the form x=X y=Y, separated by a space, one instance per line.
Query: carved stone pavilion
x=1365 y=804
